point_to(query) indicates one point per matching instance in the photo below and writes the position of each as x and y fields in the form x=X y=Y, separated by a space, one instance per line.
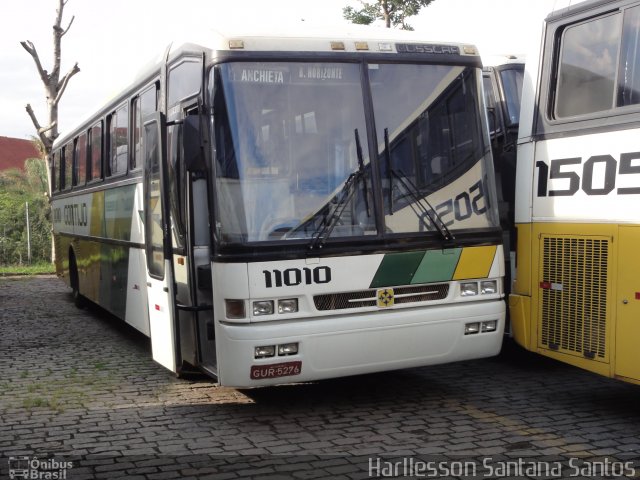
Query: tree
x=392 y=12
x=54 y=85
x=17 y=188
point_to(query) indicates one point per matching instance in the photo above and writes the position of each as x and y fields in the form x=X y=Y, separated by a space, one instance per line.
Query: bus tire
x=78 y=298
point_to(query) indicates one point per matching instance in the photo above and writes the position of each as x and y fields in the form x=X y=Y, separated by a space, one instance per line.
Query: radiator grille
x=573 y=290
x=368 y=298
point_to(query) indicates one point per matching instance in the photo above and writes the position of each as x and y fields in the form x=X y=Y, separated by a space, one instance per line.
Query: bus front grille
x=573 y=295
x=368 y=298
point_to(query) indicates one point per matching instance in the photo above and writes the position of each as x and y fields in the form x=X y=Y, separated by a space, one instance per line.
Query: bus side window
x=491 y=105
x=96 y=151
x=137 y=140
x=81 y=160
x=587 y=67
x=185 y=80
x=68 y=166
x=55 y=171
x=629 y=69
x=511 y=80
x=142 y=105
x=593 y=75
x=118 y=141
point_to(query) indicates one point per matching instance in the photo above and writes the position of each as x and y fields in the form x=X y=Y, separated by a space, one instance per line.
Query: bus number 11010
x=296 y=276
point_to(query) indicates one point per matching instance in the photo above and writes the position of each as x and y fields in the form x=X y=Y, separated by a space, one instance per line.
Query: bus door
x=192 y=251
x=187 y=181
x=199 y=244
x=160 y=283
x=628 y=304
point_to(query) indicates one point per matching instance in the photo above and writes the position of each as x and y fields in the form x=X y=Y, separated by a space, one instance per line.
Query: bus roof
x=292 y=38
x=498 y=60
x=308 y=38
x=578 y=7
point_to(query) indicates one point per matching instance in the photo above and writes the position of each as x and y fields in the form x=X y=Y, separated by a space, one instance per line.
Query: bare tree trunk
x=54 y=87
x=386 y=13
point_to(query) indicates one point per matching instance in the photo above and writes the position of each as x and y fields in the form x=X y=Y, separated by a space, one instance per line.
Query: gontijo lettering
x=72 y=214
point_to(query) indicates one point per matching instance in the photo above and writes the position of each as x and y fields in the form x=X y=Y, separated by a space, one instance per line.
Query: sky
x=111 y=39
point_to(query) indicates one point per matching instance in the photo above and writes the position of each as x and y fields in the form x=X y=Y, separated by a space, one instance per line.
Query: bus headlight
x=263 y=307
x=265 y=351
x=468 y=289
x=488 y=287
x=471 y=328
x=489 y=326
x=288 y=349
x=288 y=305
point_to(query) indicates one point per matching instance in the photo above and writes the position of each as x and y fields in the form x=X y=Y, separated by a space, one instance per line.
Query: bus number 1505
x=561 y=170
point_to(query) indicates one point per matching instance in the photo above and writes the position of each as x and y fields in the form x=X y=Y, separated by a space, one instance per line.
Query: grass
x=31 y=402
x=52 y=403
x=56 y=395
x=33 y=269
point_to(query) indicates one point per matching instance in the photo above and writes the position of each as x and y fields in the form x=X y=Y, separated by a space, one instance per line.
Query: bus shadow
x=114 y=324
x=395 y=387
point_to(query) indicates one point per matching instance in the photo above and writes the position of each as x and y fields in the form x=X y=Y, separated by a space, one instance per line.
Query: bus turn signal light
x=234 y=308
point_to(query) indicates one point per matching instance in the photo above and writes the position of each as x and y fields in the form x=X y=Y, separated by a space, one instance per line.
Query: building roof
x=14 y=151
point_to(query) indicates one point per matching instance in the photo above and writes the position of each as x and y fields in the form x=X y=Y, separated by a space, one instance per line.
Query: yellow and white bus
x=271 y=209
x=576 y=297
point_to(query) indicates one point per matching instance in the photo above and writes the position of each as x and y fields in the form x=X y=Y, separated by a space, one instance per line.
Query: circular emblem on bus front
x=385 y=297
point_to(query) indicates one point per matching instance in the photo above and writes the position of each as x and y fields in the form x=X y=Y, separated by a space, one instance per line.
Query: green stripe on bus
x=397 y=269
x=409 y=268
x=437 y=266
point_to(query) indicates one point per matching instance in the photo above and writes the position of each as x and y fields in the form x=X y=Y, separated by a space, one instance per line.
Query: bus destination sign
x=261 y=75
x=427 y=48
x=287 y=74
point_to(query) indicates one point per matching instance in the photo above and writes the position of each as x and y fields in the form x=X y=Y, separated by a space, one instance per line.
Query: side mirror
x=193 y=143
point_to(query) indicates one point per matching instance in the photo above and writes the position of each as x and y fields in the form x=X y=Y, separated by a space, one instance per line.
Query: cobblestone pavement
x=80 y=397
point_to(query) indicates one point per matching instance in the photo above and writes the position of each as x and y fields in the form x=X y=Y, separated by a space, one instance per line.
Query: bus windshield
x=292 y=150
x=432 y=147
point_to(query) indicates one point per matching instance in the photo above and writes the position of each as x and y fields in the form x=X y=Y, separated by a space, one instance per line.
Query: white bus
x=576 y=297
x=502 y=76
x=273 y=209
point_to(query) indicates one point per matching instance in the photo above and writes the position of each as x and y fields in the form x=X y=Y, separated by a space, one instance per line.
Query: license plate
x=275 y=370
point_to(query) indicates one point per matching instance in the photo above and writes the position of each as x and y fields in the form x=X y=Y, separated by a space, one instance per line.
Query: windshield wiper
x=361 y=171
x=387 y=155
x=319 y=237
x=414 y=194
x=429 y=212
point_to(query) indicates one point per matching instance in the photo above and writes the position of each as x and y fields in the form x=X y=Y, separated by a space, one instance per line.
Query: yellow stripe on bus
x=475 y=262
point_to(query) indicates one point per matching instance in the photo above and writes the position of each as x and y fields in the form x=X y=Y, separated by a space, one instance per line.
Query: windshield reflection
x=292 y=157
x=434 y=149
x=286 y=147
